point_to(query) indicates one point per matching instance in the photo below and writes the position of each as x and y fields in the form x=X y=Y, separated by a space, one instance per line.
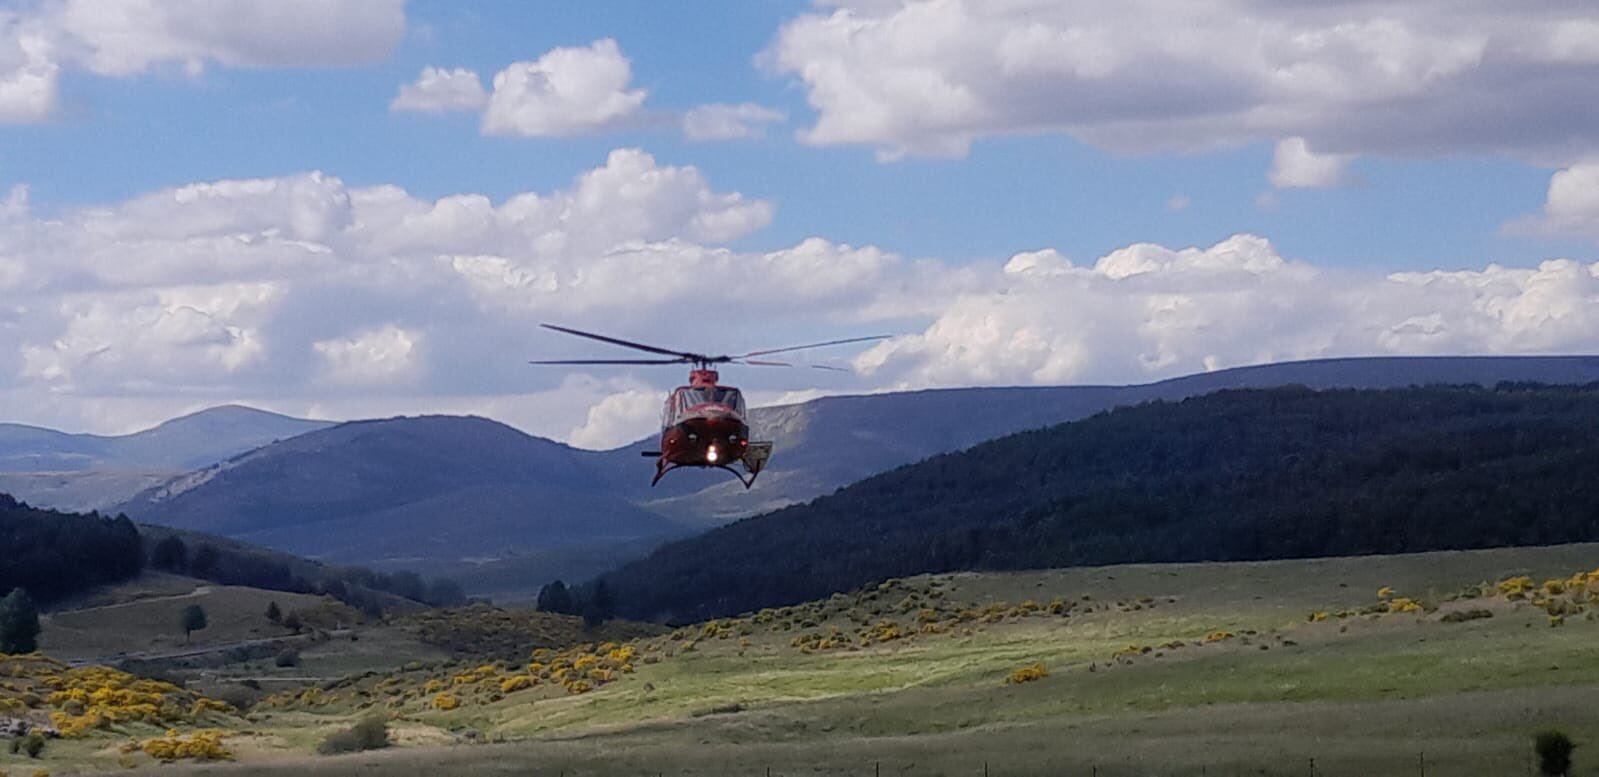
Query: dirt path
x=200 y=650
x=199 y=591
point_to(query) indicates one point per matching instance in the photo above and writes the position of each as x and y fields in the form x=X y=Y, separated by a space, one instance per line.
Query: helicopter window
x=687 y=398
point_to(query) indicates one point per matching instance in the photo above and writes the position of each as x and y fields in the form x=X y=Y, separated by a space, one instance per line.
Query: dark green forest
x=53 y=555
x=1236 y=475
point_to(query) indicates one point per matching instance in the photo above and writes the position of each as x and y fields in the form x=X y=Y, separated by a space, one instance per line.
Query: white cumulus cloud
x=567 y=91
x=618 y=419
x=128 y=37
x=307 y=294
x=1146 y=312
x=1421 y=78
x=439 y=91
x=374 y=357
x=1571 y=206
x=1295 y=166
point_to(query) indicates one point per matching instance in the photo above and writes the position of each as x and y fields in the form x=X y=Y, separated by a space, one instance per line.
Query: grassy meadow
x=1369 y=666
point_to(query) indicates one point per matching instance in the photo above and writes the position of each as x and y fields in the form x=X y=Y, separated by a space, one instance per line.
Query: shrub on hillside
x=289 y=657
x=199 y=746
x=1461 y=616
x=1027 y=674
x=31 y=744
x=1554 y=753
x=369 y=733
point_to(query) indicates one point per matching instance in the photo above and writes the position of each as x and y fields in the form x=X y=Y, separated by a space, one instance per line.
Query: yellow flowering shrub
x=446 y=701
x=1385 y=592
x=1130 y=650
x=82 y=700
x=1515 y=586
x=1218 y=636
x=1027 y=674
x=200 y=746
x=516 y=683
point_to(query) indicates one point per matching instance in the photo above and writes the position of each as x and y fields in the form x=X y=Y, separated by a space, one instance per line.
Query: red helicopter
x=704 y=423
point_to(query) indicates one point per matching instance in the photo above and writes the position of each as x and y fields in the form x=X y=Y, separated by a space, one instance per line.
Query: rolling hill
x=435 y=487
x=829 y=443
x=1236 y=475
x=392 y=501
x=184 y=443
x=80 y=472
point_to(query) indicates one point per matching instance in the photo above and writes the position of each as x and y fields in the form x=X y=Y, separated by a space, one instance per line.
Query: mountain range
x=425 y=487
x=88 y=471
x=464 y=496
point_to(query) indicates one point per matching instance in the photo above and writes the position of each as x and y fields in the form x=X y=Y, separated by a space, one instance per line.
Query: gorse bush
x=369 y=733
x=1027 y=674
x=83 y=700
x=199 y=746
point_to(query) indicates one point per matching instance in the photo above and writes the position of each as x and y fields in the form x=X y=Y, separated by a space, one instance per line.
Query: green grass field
x=1384 y=694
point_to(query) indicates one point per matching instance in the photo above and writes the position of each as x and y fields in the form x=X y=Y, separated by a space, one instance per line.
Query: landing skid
x=754 y=461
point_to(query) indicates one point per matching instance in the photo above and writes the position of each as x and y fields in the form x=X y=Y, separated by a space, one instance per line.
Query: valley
x=1238 y=582
x=525 y=510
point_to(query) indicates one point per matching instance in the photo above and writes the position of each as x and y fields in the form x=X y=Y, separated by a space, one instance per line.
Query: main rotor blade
x=611 y=361
x=625 y=343
x=763 y=363
x=813 y=345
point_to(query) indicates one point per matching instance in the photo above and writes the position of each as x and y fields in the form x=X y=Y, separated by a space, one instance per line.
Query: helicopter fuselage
x=703 y=425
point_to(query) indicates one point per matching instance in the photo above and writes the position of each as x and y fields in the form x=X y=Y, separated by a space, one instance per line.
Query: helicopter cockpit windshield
x=695 y=399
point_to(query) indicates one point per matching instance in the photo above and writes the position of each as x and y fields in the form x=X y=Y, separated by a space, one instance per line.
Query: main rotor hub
x=703 y=378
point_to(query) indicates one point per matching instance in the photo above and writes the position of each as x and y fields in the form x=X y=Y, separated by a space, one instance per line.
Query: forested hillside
x=1235 y=475
x=52 y=554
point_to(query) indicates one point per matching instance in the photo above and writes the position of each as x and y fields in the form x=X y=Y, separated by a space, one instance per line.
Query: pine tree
x=273 y=613
x=554 y=597
x=601 y=605
x=19 y=623
x=170 y=554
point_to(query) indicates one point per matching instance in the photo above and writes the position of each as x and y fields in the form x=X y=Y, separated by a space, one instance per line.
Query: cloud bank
x=306 y=294
x=1424 y=78
x=120 y=38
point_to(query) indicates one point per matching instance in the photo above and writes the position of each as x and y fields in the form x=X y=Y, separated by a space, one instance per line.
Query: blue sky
x=118 y=138
x=926 y=144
